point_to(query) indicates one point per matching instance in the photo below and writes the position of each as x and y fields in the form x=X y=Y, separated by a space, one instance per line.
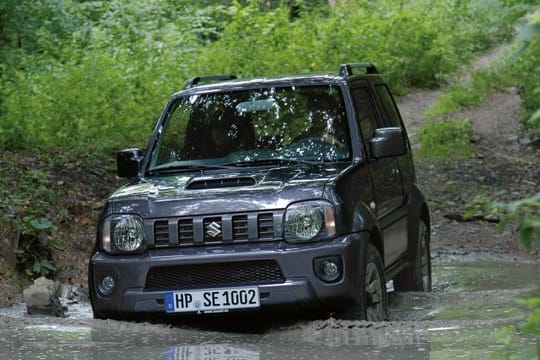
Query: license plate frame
x=212 y=300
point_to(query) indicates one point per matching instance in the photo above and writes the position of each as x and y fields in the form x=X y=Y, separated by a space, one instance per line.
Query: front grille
x=265 y=225
x=214 y=275
x=240 y=228
x=161 y=233
x=185 y=231
x=218 y=229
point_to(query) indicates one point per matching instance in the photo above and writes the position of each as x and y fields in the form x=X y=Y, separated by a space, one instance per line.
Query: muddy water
x=472 y=313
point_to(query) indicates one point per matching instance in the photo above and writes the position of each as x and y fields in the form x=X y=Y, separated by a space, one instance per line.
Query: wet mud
x=472 y=313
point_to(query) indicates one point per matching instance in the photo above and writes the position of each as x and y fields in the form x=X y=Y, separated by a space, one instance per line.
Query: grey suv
x=254 y=193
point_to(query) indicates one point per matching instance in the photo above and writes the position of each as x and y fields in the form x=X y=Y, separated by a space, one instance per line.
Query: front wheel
x=372 y=302
x=417 y=277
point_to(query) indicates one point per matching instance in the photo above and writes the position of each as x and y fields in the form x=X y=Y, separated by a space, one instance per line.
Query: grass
x=447 y=139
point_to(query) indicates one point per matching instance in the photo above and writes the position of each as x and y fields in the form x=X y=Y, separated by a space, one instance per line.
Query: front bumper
x=300 y=286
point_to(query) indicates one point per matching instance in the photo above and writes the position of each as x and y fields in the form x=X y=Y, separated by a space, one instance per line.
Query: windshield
x=302 y=123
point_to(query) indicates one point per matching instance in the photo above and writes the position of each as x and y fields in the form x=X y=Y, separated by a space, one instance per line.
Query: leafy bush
x=528 y=210
x=107 y=88
x=444 y=34
x=25 y=198
x=448 y=139
x=96 y=74
x=528 y=68
x=527 y=214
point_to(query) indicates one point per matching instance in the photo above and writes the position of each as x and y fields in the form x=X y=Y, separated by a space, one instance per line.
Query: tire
x=104 y=315
x=417 y=276
x=101 y=315
x=372 y=304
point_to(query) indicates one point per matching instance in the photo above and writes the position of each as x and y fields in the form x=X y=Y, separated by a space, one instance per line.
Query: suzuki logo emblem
x=213 y=229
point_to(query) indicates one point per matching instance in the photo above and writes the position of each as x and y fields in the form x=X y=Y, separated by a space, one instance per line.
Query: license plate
x=212 y=300
x=210 y=352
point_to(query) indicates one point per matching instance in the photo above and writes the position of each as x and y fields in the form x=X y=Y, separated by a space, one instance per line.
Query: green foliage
x=528 y=209
x=92 y=73
x=446 y=103
x=527 y=213
x=480 y=205
x=40 y=268
x=33 y=225
x=26 y=205
x=106 y=86
x=448 y=139
x=34 y=26
x=532 y=303
x=45 y=198
x=443 y=33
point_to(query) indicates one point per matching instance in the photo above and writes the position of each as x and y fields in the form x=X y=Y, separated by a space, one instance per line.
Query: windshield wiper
x=186 y=168
x=272 y=161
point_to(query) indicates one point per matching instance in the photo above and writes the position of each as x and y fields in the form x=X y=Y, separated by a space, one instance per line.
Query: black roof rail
x=212 y=78
x=347 y=69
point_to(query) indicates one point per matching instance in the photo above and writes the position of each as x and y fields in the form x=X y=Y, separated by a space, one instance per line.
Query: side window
x=390 y=110
x=365 y=114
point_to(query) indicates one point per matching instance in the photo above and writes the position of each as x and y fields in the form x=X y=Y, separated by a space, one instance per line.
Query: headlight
x=123 y=233
x=309 y=220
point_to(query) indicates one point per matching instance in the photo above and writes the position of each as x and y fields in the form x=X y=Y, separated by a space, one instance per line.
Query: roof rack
x=212 y=78
x=347 y=69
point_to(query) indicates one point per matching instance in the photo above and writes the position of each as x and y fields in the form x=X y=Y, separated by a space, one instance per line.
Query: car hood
x=236 y=190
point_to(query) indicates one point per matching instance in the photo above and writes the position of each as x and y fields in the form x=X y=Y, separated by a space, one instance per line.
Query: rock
x=492 y=218
x=475 y=138
x=41 y=298
x=512 y=137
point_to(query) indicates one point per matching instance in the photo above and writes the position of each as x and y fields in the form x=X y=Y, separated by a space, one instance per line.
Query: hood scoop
x=203 y=184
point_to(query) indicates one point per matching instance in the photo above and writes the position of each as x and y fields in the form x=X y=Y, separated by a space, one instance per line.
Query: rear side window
x=390 y=109
x=365 y=114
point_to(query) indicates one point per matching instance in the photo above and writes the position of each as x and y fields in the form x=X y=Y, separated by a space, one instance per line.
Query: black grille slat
x=240 y=227
x=185 y=231
x=213 y=275
x=161 y=233
x=265 y=225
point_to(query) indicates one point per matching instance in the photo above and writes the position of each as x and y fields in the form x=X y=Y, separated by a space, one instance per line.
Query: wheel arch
x=365 y=220
x=376 y=239
x=418 y=210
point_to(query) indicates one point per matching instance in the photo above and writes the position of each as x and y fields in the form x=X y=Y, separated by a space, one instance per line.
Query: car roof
x=219 y=83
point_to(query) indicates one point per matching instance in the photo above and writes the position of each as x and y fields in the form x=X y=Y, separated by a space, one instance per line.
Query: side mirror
x=388 y=142
x=128 y=162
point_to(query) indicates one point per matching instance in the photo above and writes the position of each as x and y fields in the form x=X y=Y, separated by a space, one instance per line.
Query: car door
x=386 y=178
x=395 y=222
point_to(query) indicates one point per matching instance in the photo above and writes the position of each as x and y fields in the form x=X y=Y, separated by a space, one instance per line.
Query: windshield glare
x=305 y=123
